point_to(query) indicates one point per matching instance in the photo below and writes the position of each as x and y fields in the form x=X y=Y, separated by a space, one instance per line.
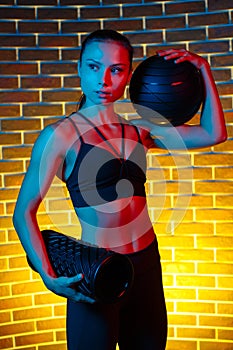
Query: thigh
x=144 y=320
x=91 y=326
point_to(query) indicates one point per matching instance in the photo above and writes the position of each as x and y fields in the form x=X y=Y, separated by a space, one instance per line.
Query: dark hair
x=103 y=35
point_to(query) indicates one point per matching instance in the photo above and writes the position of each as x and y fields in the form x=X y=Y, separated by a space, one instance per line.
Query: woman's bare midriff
x=122 y=225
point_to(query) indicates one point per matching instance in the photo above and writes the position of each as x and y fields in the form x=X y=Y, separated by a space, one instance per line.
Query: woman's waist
x=121 y=225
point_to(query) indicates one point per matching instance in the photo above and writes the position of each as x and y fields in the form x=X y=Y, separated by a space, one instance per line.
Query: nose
x=105 y=78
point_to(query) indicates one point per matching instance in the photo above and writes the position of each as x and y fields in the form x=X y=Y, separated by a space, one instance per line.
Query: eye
x=93 y=67
x=116 y=70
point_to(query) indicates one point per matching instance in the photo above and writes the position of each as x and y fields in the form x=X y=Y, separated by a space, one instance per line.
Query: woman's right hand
x=66 y=287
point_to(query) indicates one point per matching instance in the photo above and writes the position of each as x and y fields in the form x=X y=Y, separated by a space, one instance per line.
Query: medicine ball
x=174 y=90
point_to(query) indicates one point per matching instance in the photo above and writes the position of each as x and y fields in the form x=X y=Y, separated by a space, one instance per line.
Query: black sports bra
x=100 y=176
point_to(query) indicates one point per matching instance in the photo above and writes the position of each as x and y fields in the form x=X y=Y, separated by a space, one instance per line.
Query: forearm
x=27 y=228
x=212 y=116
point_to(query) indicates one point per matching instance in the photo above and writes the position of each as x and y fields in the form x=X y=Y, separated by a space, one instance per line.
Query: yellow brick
x=217 y=345
x=175 y=187
x=176 y=241
x=48 y=298
x=3 y=236
x=194 y=254
x=225 y=282
x=196 y=307
x=57 y=205
x=28 y=287
x=16 y=328
x=224 y=228
x=6 y=222
x=225 y=308
x=60 y=335
x=52 y=219
x=10 y=207
x=5 y=317
x=2 y=209
x=155 y=201
x=201 y=201
x=13 y=237
x=12 y=166
x=225 y=334
x=223 y=173
x=195 y=333
x=224 y=255
x=16 y=302
x=18 y=262
x=181 y=345
x=213 y=187
x=6 y=343
x=53 y=323
x=14 y=276
x=195 y=228
x=177 y=267
x=213 y=159
x=215 y=268
x=59 y=310
x=158 y=174
x=8 y=194
x=195 y=281
x=3 y=264
x=12 y=249
x=177 y=216
x=194 y=173
x=13 y=180
x=165 y=254
x=182 y=319
x=170 y=305
x=179 y=293
x=215 y=242
x=214 y=214
x=215 y=294
x=5 y=291
x=168 y=280
x=34 y=339
x=32 y=313
x=215 y=321
x=171 y=332
x=224 y=201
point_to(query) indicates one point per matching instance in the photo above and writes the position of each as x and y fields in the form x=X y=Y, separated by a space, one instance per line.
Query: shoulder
x=56 y=138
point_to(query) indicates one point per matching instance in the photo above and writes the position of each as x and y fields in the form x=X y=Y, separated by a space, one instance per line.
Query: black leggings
x=139 y=322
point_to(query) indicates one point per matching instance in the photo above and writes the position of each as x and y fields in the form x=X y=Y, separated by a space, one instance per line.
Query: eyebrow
x=112 y=65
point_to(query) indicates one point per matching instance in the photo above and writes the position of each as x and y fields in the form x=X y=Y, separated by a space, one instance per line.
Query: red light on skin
x=176 y=83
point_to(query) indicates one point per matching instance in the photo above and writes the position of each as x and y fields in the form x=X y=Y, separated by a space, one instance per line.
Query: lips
x=103 y=94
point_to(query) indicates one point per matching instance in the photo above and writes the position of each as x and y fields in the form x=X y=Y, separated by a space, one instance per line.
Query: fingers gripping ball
x=173 y=90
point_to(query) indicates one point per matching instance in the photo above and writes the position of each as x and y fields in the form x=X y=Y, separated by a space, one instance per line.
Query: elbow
x=223 y=136
x=17 y=217
x=220 y=138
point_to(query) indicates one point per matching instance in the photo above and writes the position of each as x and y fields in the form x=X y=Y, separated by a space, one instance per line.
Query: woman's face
x=104 y=72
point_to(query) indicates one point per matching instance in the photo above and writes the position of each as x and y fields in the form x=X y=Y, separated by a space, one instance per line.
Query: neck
x=100 y=114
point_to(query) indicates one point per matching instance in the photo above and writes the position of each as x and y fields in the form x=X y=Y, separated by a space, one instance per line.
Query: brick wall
x=39 y=48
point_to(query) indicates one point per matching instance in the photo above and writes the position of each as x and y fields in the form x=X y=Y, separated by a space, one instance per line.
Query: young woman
x=111 y=204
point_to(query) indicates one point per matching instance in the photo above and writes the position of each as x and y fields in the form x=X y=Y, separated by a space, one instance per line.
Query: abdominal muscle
x=122 y=225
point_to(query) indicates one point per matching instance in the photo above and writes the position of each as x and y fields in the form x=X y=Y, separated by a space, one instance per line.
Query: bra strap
x=101 y=135
x=76 y=127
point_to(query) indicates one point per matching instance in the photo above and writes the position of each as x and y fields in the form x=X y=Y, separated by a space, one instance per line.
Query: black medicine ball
x=174 y=90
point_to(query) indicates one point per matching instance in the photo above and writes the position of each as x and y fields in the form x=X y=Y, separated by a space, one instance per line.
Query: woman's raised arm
x=211 y=130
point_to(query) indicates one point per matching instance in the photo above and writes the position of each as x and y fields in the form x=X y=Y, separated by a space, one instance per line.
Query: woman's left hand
x=181 y=55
